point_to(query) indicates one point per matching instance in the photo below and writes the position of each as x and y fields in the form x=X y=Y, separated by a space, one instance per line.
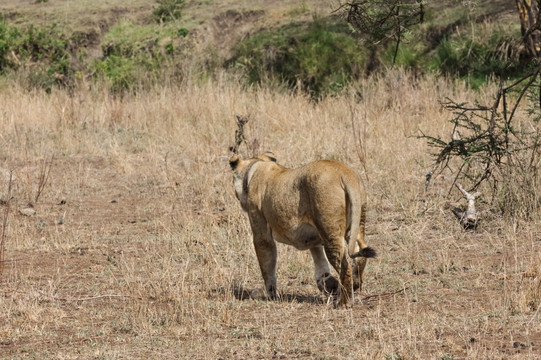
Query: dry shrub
x=520 y=196
x=496 y=147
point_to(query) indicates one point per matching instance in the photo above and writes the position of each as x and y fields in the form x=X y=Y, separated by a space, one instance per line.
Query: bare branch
x=239 y=133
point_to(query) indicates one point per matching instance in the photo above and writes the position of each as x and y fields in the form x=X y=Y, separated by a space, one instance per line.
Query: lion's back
x=329 y=175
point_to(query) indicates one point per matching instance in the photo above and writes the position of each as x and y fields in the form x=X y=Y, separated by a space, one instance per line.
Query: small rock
x=27 y=212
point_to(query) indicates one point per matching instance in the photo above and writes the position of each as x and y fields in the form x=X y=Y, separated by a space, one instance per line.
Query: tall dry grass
x=153 y=256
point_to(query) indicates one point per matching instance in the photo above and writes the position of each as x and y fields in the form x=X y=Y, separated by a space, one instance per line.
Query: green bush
x=475 y=58
x=168 y=10
x=140 y=54
x=8 y=38
x=321 y=57
x=42 y=50
x=118 y=71
x=409 y=55
x=50 y=47
x=182 y=32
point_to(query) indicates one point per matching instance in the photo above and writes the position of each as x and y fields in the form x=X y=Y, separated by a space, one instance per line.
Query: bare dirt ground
x=139 y=249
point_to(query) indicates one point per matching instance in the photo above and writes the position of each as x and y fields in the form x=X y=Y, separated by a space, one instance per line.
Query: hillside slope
x=127 y=46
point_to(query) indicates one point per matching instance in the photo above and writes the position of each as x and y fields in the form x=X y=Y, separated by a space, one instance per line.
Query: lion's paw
x=328 y=284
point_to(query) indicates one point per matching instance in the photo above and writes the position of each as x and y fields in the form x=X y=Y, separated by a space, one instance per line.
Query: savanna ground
x=138 y=247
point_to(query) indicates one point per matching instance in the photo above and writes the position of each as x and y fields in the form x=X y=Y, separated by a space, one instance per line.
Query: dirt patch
x=234 y=18
x=232 y=25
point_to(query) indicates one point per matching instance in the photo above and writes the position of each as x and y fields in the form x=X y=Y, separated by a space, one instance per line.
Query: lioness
x=320 y=207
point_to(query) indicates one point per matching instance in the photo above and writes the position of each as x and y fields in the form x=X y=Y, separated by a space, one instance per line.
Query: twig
x=522 y=92
x=45 y=170
x=383 y=295
x=5 y=222
x=359 y=138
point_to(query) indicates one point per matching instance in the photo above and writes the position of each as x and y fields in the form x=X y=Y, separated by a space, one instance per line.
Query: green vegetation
x=324 y=55
x=471 y=57
x=132 y=54
x=135 y=55
x=168 y=10
x=44 y=50
x=320 y=57
x=477 y=57
x=119 y=71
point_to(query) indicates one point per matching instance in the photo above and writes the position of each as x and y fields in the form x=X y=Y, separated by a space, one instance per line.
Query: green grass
x=320 y=57
x=478 y=56
x=135 y=54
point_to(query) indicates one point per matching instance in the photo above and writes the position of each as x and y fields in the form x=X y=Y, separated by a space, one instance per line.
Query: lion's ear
x=234 y=161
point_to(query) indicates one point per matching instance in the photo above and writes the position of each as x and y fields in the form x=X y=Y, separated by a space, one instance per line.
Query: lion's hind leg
x=359 y=262
x=358 y=273
x=339 y=259
x=326 y=283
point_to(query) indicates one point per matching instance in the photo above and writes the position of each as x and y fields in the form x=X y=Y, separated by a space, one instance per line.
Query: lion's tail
x=355 y=222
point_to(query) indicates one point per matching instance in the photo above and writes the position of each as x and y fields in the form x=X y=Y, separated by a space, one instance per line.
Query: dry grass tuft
x=138 y=247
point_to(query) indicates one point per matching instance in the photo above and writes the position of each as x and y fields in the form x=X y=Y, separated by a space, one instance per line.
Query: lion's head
x=243 y=170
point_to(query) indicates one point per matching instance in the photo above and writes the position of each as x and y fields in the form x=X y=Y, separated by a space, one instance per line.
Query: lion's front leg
x=265 y=249
x=266 y=256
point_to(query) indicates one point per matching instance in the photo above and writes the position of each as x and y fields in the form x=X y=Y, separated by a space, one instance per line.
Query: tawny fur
x=320 y=206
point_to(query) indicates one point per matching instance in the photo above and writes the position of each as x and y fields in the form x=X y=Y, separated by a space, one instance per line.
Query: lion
x=319 y=207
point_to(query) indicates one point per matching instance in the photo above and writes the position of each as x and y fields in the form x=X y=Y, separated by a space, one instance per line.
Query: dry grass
x=139 y=249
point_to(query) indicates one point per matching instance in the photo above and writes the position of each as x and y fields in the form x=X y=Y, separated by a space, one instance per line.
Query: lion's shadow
x=242 y=293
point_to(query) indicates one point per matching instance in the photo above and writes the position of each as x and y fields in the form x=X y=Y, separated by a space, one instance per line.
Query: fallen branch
x=469 y=219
